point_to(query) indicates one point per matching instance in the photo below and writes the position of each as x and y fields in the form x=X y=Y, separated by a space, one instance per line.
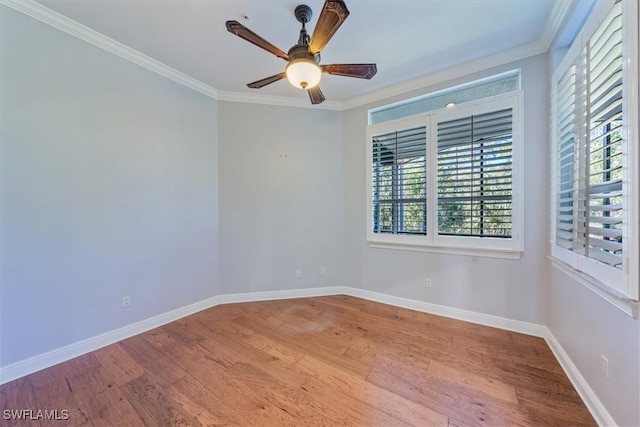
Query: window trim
x=397 y=125
x=505 y=248
x=590 y=273
x=454 y=89
x=632 y=52
x=404 y=145
x=618 y=300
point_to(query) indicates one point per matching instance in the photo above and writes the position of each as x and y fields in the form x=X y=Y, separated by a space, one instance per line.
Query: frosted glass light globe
x=303 y=73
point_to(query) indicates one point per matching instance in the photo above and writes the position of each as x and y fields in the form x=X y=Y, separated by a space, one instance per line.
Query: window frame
x=618 y=286
x=397 y=172
x=397 y=125
x=498 y=247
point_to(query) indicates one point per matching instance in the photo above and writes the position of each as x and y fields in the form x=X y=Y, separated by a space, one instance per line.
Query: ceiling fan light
x=303 y=73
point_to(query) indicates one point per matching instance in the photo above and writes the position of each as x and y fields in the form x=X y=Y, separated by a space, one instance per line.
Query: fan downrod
x=303 y=13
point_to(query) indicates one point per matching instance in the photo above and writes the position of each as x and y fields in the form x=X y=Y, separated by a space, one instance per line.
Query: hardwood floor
x=335 y=360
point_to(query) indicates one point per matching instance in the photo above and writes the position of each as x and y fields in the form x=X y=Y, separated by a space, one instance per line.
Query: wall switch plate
x=428 y=283
x=323 y=271
x=126 y=301
x=298 y=273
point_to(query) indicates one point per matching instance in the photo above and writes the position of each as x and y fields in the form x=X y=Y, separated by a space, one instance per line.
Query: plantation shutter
x=475 y=175
x=399 y=181
x=566 y=160
x=604 y=195
x=589 y=185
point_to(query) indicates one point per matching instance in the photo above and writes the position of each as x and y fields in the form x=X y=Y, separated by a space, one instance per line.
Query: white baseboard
x=62 y=354
x=588 y=396
x=451 y=312
x=274 y=295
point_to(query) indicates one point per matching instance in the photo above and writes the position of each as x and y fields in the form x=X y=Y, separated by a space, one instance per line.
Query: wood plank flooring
x=327 y=361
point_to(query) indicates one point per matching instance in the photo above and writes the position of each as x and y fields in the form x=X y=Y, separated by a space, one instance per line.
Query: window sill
x=466 y=251
x=613 y=297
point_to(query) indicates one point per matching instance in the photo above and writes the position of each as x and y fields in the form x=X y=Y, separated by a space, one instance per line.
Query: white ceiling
x=406 y=38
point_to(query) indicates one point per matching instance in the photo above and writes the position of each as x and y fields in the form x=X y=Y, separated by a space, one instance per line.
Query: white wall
x=281 y=197
x=109 y=188
x=507 y=288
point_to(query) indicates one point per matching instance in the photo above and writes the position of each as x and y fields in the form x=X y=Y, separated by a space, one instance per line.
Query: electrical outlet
x=323 y=271
x=428 y=283
x=126 y=301
x=604 y=365
x=298 y=273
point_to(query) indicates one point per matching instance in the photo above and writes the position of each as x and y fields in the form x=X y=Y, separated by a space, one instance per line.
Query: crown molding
x=561 y=10
x=484 y=63
x=445 y=74
x=69 y=26
x=284 y=101
x=44 y=14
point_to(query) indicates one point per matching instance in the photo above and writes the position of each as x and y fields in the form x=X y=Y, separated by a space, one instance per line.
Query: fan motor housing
x=302 y=51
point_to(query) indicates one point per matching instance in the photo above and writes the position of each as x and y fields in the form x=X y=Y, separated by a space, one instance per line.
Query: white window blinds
x=449 y=181
x=600 y=205
x=589 y=148
x=399 y=181
x=566 y=160
x=595 y=116
x=475 y=175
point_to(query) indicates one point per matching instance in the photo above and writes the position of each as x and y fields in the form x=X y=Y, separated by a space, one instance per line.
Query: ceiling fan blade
x=361 y=71
x=333 y=14
x=267 y=81
x=316 y=95
x=243 y=32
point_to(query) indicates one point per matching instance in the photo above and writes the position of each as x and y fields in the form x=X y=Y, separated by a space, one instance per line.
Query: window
x=474 y=175
x=449 y=180
x=595 y=132
x=473 y=91
x=399 y=182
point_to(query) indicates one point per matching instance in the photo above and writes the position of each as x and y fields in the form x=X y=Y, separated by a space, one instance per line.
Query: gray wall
x=515 y=289
x=109 y=188
x=587 y=327
x=281 y=198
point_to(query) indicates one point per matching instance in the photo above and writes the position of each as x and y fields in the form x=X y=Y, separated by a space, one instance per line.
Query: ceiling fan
x=303 y=69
